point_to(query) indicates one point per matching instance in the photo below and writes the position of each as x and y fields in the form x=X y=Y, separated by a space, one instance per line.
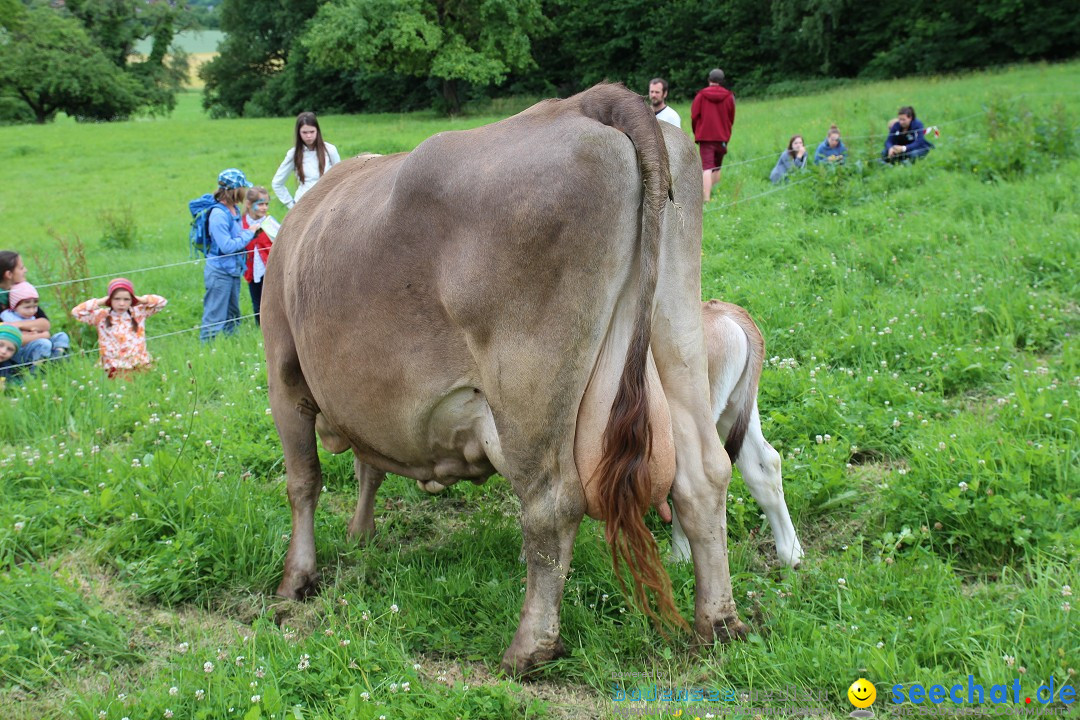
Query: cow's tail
x=622 y=477
x=744 y=396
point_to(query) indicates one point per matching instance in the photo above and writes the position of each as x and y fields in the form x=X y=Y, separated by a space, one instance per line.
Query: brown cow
x=486 y=303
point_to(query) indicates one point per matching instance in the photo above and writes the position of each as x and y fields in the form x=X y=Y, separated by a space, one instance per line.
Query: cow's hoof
x=298 y=586
x=360 y=536
x=727 y=630
x=522 y=665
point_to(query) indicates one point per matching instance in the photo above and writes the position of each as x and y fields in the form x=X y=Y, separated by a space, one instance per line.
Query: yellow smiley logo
x=862 y=693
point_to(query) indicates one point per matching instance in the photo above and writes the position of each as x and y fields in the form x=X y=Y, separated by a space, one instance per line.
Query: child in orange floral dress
x=120 y=318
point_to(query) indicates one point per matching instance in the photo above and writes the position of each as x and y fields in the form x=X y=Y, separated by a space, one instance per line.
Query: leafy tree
x=260 y=35
x=473 y=41
x=77 y=59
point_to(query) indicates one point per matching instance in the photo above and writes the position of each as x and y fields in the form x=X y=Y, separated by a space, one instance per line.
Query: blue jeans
x=40 y=350
x=221 y=304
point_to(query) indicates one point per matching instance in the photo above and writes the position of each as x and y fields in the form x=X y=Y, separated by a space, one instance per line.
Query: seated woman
x=790 y=160
x=906 y=139
x=831 y=150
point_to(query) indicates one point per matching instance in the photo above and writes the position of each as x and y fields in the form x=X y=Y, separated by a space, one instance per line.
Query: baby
x=38 y=343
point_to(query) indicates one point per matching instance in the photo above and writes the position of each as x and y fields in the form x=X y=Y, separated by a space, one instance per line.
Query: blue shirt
x=227 y=237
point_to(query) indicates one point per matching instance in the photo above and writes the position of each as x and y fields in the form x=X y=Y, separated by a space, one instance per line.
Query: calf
x=736 y=350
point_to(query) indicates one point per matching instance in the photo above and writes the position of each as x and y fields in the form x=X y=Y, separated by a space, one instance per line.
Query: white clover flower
x=174 y=691
x=365 y=696
x=305 y=662
x=880 y=645
x=416 y=667
x=200 y=694
x=963 y=486
x=182 y=648
x=344 y=642
x=167 y=714
x=841 y=581
x=394 y=608
x=393 y=687
x=1065 y=607
x=1009 y=660
x=102 y=714
x=328 y=632
x=19 y=526
x=208 y=667
x=255 y=698
x=1066 y=591
x=405 y=687
x=260 y=672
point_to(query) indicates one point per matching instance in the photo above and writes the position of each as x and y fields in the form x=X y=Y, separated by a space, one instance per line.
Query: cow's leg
x=294 y=415
x=549 y=523
x=362 y=525
x=700 y=494
x=759 y=464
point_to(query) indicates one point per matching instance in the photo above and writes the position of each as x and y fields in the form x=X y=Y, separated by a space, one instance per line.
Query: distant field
x=921 y=324
x=201 y=47
x=194 y=41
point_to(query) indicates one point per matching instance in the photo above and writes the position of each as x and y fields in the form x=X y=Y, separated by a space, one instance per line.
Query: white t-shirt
x=311 y=173
x=669 y=116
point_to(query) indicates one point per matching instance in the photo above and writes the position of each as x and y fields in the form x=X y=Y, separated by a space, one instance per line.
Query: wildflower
x=167 y=713
x=200 y=694
x=365 y=696
x=260 y=672
x=222 y=655
x=174 y=691
x=365 y=616
x=328 y=632
x=1066 y=591
x=394 y=608
x=344 y=642
x=343 y=601
x=1021 y=669
x=405 y=687
x=305 y=662
x=416 y=667
x=182 y=648
x=1065 y=607
x=393 y=687
x=1009 y=660
x=255 y=698
x=34 y=629
x=102 y=715
x=963 y=486
x=208 y=667
x=880 y=645
x=19 y=526
x=841 y=582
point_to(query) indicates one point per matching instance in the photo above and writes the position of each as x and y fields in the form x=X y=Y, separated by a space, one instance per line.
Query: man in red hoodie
x=711 y=115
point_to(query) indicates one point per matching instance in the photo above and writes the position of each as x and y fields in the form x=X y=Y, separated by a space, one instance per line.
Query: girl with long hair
x=308 y=159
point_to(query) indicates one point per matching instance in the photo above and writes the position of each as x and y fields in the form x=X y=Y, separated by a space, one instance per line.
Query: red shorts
x=712 y=154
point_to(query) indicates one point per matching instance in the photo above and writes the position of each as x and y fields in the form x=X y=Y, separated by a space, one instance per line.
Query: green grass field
x=922 y=389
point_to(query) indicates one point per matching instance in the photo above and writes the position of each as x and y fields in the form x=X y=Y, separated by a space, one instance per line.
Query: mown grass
x=921 y=325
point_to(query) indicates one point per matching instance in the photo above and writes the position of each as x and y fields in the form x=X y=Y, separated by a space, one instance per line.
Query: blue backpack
x=199 y=235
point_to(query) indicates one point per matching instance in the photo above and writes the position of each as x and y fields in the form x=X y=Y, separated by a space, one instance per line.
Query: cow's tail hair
x=745 y=393
x=622 y=478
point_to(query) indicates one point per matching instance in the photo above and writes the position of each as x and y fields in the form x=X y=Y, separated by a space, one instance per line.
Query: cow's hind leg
x=362 y=525
x=549 y=520
x=759 y=464
x=294 y=412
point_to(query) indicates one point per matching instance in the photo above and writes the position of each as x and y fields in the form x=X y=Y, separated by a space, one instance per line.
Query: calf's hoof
x=520 y=664
x=298 y=586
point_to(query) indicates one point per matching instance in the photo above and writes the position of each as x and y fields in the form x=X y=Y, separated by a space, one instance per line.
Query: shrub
x=119 y=231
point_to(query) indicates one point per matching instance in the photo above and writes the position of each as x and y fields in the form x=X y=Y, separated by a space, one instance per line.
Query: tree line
x=280 y=57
